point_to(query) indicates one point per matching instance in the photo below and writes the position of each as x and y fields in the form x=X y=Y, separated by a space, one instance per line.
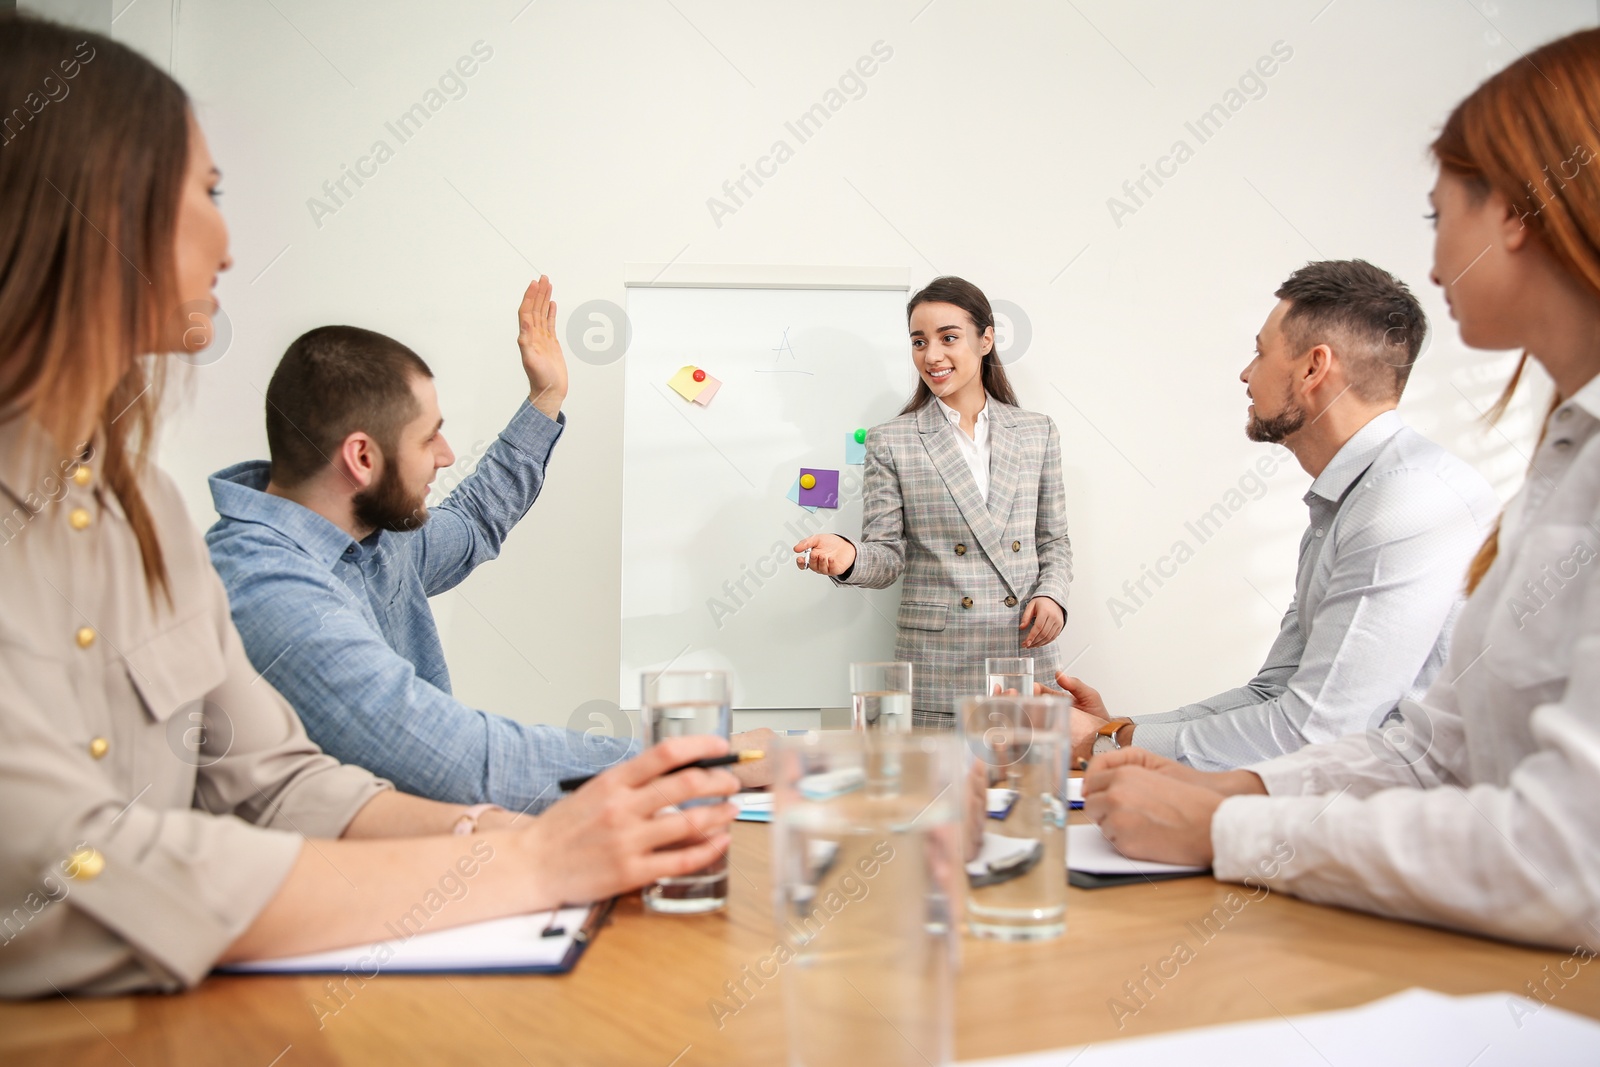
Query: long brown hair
x=1526 y=134
x=969 y=298
x=92 y=166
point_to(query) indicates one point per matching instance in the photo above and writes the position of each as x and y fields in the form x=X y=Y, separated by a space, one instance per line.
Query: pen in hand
x=567 y=785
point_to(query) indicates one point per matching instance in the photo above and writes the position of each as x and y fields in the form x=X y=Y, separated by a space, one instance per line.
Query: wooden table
x=642 y=994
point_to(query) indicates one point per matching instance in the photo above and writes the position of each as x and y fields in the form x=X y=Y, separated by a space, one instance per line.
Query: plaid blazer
x=969 y=568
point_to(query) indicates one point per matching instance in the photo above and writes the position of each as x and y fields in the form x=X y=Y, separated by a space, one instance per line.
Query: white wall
x=987 y=146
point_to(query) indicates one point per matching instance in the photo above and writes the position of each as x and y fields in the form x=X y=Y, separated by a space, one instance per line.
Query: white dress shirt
x=1476 y=806
x=974 y=449
x=1394 y=521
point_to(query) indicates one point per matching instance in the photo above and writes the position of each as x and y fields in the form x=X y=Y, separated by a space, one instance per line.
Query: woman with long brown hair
x=963 y=496
x=161 y=803
x=1475 y=807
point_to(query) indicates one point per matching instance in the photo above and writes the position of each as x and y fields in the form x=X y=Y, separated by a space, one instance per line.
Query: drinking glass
x=681 y=704
x=866 y=868
x=1004 y=674
x=1016 y=839
x=880 y=696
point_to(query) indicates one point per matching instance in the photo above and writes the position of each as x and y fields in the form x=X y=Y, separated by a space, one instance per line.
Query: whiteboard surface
x=708 y=580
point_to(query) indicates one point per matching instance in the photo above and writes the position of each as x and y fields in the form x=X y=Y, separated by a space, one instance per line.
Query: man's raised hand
x=542 y=359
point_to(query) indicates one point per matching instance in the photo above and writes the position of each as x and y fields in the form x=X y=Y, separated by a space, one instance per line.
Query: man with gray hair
x=1395 y=519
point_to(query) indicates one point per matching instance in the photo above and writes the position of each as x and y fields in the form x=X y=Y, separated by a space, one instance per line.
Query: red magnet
x=699 y=375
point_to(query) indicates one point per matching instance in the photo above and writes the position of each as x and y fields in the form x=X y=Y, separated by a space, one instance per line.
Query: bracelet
x=468 y=822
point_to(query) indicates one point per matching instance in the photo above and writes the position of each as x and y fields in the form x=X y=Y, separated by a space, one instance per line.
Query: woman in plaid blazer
x=963 y=497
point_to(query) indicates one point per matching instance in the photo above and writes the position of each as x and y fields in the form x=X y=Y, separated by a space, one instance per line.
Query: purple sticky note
x=825 y=494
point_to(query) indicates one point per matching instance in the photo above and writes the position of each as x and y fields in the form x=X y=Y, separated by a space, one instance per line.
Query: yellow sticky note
x=684 y=385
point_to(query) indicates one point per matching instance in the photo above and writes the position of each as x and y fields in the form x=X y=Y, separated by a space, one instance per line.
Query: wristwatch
x=1105 y=739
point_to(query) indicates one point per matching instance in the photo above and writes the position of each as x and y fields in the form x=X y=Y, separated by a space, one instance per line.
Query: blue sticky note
x=794 y=494
x=854 y=451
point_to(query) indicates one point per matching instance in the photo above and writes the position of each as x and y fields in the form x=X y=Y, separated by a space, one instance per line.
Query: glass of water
x=1016 y=826
x=681 y=704
x=880 y=696
x=1004 y=674
x=866 y=867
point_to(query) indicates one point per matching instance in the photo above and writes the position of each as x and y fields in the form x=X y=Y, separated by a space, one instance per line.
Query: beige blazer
x=153 y=789
x=970 y=567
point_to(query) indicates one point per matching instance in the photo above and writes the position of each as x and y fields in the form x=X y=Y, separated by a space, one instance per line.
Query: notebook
x=753 y=807
x=1094 y=863
x=541 y=943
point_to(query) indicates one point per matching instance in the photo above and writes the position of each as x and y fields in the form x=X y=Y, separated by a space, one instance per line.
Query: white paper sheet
x=1415 y=1028
x=998 y=853
x=1090 y=852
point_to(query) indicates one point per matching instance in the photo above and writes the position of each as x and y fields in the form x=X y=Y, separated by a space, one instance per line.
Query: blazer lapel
x=1006 y=452
x=952 y=467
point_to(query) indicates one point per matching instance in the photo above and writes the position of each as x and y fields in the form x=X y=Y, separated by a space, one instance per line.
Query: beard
x=1275 y=430
x=388 y=505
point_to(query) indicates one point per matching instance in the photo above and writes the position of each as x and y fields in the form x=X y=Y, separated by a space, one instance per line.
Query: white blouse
x=1478 y=806
x=974 y=449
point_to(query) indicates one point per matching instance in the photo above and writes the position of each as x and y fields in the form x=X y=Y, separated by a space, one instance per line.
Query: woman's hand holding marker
x=827 y=554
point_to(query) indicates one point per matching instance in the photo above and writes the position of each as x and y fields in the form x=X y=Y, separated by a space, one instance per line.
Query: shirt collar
x=239 y=493
x=1587 y=398
x=1352 y=460
x=954 y=416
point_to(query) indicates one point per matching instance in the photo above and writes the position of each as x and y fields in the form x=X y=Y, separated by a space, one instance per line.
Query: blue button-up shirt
x=342 y=628
x=1395 y=519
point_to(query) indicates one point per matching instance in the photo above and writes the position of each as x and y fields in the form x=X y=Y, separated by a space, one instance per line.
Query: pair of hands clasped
x=832 y=555
x=1148 y=806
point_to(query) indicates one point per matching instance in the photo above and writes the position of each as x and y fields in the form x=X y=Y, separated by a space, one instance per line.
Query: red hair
x=1526 y=134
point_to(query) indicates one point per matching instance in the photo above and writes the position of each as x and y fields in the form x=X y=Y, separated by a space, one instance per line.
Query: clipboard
x=517 y=944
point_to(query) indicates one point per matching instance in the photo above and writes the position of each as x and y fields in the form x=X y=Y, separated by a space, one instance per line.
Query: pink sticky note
x=825 y=494
x=708 y=389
